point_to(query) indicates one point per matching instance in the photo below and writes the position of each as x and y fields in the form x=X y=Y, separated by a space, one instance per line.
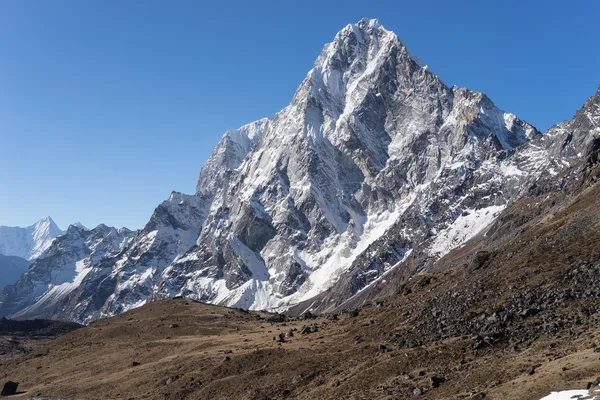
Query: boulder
x=305 y=330
x=436 y=381
x=480 y=259
x=279 y=338
x=9 y=388
x=530 y=371
x=308 y=315
x=350 y=313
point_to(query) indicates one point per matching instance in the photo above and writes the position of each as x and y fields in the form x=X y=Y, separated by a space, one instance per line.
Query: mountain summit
x=368 y=131
x=376 y=166
x=30 y=242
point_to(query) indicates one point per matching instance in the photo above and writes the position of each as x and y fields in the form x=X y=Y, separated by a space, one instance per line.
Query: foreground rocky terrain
x=512 y=315
x=181 y=349
x=22 y=338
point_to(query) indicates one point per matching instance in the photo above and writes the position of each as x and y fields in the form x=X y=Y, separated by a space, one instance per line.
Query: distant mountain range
x=19 y=247
x=375 y=167
x=11 y=269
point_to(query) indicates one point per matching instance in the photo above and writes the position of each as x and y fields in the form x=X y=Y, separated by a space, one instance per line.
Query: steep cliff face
x=374 y=161
x=551 y=166
x=227 y=156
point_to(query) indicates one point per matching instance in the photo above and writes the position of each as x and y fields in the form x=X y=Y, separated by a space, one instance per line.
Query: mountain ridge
x=375 y=164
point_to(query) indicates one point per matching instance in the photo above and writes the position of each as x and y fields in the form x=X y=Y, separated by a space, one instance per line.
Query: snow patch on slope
x=569 y=395
x=68 y=280
x=338 y=260
x=465 y=227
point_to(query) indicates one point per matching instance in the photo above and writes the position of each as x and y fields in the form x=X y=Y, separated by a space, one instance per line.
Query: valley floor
x=183 y=349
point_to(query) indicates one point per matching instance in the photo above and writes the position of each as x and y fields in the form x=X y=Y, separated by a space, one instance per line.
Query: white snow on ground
x=464 y=228
x=568 y=395
x=253 y=294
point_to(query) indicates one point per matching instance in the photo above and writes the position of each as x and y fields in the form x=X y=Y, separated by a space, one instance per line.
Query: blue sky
x=106 y=106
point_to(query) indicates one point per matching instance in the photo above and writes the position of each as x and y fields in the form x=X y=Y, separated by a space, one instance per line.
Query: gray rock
x=530 y=371
x=436 y=381
x=299 y=378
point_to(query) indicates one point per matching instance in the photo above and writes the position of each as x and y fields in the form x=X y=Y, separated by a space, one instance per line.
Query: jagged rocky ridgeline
x=374 y=163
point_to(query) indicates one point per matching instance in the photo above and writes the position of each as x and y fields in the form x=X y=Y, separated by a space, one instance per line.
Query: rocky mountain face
x=376 y=168
x=52 y=278
x=30 y=242
x=369 y=133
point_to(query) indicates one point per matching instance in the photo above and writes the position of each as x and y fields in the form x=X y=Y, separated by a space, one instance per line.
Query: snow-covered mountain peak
x=253 y=130
x=30 y=242
x=228 y=155
x=578 y=132
x=591 y=110
x=73 y=228
x=358 y=44
x=46 y=226
x=53 y=278
x=362 y=29
x=477 y=110
x=372 y=23
x=124 y=231
x=80 y=225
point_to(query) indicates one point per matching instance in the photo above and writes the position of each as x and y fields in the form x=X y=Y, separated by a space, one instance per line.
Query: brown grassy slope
x=342 y=360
